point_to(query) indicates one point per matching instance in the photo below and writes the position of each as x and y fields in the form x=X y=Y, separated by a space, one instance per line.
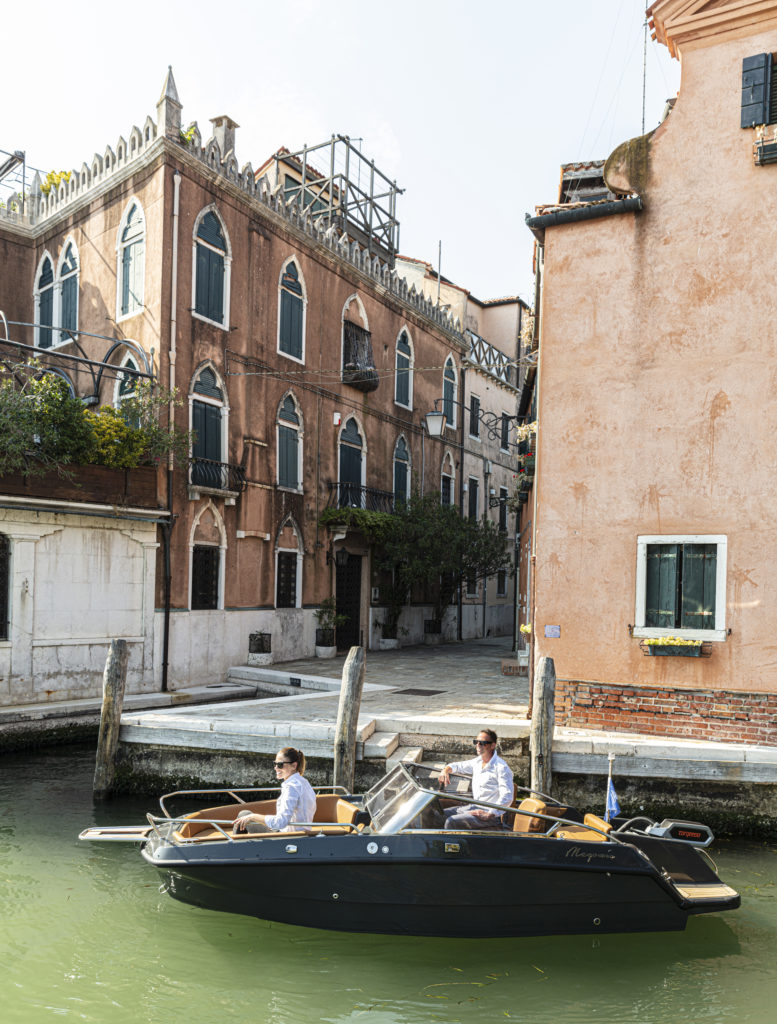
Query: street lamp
x=436 y=420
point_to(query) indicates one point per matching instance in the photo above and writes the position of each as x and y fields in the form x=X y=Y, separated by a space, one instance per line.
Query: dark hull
x=491 y=886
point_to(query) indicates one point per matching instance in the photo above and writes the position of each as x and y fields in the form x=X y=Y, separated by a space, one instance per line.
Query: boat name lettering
x=589 y=855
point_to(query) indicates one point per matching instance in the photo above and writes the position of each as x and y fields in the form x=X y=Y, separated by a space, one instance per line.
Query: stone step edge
x=255 y=674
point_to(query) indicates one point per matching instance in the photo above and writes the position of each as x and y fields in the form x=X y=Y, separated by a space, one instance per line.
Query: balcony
x=221 y=478
x=344 y=495
x=358 y=362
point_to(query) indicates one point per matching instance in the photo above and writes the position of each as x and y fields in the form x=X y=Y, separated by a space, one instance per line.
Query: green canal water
x=85 y=935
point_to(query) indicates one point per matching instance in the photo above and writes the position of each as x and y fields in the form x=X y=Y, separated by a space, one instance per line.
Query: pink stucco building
x=654 y=503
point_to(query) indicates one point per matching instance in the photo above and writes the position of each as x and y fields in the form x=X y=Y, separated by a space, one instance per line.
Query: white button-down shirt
x=297 y=802
x=492 y=781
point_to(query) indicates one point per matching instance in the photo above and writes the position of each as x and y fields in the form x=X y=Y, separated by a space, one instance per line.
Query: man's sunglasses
x=280 y=764
x=482 y=743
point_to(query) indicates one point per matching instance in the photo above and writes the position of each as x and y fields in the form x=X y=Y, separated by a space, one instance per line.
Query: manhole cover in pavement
x=421 y=693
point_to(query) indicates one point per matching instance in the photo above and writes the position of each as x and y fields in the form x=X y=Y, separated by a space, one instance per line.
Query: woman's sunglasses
x=280 y=764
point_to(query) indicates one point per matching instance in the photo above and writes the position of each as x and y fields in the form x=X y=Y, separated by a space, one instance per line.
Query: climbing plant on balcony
x=43 y=426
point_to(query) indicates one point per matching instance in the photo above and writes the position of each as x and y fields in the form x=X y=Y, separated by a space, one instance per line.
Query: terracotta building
x=304 y=361
x=655 y=480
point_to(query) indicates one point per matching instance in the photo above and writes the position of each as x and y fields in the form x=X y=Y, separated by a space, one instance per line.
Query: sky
x=470 y=105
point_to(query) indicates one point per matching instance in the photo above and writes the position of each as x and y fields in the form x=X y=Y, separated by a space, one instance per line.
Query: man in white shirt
x=492 y=780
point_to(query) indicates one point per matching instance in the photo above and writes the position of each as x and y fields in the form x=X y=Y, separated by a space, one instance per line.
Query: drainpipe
x=171 y=423
x=461 y=485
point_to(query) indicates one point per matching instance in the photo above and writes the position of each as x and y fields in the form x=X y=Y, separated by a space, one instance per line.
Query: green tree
x=42 y=425
x=427 y=542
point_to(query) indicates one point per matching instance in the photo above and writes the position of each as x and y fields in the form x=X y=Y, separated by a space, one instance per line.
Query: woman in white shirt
x=297 y=802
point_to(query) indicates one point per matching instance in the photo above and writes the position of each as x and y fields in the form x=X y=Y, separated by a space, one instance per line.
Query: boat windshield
x=407 y=793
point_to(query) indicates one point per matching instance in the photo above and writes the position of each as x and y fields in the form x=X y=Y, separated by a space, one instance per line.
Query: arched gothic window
x=401 y=472
x=211 y=278
x=68 y=277
x=44 y=301
x=126 y=383
x=449 y=389
x=447 y=479
x=403 y=387
x=208 y=423
x=289 y=447
x=351 y=466
x=132 y=259
x=291 y=327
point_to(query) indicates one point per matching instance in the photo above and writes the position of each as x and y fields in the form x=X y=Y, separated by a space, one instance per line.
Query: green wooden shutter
x=291 y=324
x=69 y=305
x=288 y=452
x=216 y=287
x=661 y=586
x=756 y=83
x=201 y=287
x=698 y=586
x=46 y=317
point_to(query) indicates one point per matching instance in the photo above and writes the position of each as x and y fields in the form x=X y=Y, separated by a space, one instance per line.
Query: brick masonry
x=719 y=715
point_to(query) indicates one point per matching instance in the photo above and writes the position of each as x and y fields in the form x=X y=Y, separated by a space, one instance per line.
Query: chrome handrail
x=233 y=792
x=174 y=840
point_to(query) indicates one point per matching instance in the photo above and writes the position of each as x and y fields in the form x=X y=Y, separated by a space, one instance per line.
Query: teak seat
x=331 y=810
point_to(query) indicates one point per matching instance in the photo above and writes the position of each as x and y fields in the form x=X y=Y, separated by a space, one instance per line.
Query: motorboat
x=383 y=862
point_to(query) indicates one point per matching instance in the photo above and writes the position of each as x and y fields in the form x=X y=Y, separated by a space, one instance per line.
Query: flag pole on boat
x=612 y=808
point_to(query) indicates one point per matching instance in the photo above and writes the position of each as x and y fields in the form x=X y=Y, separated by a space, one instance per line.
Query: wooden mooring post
x=347 y=719
x=114 y=680
x=543 y=718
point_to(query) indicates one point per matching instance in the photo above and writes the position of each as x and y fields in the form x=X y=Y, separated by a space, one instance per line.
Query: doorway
x=348 y=596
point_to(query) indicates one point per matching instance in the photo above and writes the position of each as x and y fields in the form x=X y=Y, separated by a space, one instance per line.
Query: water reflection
x=85 y=934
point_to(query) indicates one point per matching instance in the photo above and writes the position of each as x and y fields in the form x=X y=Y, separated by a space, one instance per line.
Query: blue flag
x=613 y=807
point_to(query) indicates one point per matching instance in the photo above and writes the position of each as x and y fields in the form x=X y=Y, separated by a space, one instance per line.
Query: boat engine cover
x=683 y=831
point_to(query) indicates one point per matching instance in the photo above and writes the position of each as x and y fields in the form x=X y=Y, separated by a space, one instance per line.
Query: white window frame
x=300 y=441
x=716 y=634
x=56 y=337
x=301 y=277
x=410 y=368
x=363 y=436
x=227 y=267
x=447 y=460
x=120 y=260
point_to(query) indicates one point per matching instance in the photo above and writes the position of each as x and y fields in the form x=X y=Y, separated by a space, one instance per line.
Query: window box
x=765 y=152
x=675 y=650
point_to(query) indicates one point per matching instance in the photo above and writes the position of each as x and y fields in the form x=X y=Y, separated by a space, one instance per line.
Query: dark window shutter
x=46 y=317
x=350 y=465
x=699 y=576
x=216 y=287
x=756 y=86
x=473 y=499
x=400 y=481
x=69 y=304
x=288 y=452
x=403 y=380
x=206 y=422
x=446 y=490
x=291 y=324
x=661 y=586
x=201 y=287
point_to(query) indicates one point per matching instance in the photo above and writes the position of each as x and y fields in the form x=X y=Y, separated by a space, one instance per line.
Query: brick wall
x=721 y=715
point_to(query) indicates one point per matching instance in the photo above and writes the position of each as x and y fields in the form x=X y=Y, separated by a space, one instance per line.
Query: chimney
x=224 y=133
x=168 y=110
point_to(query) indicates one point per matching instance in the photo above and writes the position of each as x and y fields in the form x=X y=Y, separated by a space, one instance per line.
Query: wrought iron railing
x=218 y=476
x=344 y=495
x=358 y=362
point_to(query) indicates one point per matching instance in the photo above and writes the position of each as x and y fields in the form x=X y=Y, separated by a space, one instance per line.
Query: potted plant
x=328 y=621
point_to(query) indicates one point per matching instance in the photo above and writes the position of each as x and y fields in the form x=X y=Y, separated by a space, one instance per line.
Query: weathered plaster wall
x=656 y=386
x=76 y=583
